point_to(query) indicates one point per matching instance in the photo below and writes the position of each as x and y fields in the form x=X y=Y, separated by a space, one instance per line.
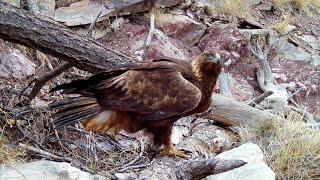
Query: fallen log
x=228 y=111
x=50 y=37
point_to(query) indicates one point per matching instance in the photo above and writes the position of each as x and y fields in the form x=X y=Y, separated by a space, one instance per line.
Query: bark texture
x=44 y=34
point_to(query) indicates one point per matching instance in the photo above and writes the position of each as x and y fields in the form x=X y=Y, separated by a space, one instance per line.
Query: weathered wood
x=231 y=112
x=46 y=35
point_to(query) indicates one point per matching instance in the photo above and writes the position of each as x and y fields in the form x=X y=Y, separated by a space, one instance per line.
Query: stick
x=260 y=98
x=39 y=82
x=93 y=24
x=149 y=37
x=135 y=159
x=44 y=153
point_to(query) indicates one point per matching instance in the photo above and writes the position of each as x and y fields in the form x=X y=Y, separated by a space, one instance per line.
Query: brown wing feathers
x=140 y=89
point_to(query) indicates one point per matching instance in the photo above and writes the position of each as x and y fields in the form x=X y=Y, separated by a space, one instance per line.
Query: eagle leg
x=162 y=136
x=170 y=150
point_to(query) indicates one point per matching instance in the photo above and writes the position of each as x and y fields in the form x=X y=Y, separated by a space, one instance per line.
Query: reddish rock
x=14 y=64
x=228 y=41
x=131 y=40
x=181 y=27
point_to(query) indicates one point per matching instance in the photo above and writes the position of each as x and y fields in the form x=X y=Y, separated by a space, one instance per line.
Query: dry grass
x=10 y=153
x=291 y=149
x=299 y=4
x=282 y=27
x=236 y=8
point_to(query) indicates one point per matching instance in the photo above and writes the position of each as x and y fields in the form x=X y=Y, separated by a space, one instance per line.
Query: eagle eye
x=214 y=58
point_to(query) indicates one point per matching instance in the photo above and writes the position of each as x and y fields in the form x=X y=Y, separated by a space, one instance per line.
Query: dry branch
x=231 y=112
x=44 y=153
x=52 y=38
x=39 y=82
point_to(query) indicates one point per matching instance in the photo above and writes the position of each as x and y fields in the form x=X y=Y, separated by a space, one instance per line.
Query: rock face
x=255 y=169
x=13 y=64
x=131 y=41
x=181 y=27
x=46 y=170
x=79 y=13
x=228 y=41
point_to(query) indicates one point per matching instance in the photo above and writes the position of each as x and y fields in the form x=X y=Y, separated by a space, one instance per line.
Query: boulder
x=79 y=13
x=14 y=64
x=181 y=27
x=313 y=41
x=256 y=168
x=46 y=170
x=291 y=52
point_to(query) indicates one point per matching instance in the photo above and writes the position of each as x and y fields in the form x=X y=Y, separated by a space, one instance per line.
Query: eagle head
x=207 y=65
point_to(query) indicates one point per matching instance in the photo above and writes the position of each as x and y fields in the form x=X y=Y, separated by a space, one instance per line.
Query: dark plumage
x=151 y=95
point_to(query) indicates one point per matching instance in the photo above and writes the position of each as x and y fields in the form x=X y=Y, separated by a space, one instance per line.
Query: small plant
x=283 y=27
x=236 y=8
x=302 y=5
x=291 y=148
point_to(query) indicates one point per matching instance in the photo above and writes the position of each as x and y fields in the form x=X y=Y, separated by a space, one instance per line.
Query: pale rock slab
x=44 y=169
x=256 y=168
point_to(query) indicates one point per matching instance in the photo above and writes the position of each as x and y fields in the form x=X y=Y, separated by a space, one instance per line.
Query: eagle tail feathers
x=74 y=109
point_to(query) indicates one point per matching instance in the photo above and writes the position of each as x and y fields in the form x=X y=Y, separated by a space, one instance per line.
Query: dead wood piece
x=39 y=82
x=260 y=98
x=44 y=153
x=149 y=37
x=231 y=112
x=266 y=81
x=224 y=83
x=201 y=168
x=93 y=24
x=50 y=37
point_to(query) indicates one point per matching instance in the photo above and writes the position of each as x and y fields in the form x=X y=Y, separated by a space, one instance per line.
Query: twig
x=58 y=138
x=262 y=57
x=112 y=141
x=26 y=135
x=136 y=158
x=93 y=24
x=139 y=166
x=39 y=82
x=44 y=153
x=260 y=98
x=149 y=37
